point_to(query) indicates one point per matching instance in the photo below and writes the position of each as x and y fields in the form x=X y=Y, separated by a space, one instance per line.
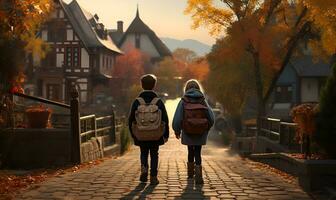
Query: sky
x=164 y=17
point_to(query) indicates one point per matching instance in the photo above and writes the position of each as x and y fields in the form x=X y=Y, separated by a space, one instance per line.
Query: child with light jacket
x=193 y=93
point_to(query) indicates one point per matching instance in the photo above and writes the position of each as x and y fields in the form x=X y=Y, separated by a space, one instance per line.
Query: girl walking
x=193 y=118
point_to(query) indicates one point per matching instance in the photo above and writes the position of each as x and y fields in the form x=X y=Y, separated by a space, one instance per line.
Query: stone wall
x=91 y=150
x=35 y=148
x=312 y=174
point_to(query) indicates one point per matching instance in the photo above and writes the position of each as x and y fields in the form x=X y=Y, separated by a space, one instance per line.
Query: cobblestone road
x=226 y=177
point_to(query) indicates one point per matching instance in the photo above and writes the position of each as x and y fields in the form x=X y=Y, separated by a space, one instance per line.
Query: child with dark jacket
x=148 y=83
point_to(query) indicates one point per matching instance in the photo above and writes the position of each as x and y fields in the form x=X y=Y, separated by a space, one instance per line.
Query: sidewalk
x=225 y=177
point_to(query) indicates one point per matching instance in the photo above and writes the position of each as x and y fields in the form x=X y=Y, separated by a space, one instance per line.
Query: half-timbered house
x=80 y=53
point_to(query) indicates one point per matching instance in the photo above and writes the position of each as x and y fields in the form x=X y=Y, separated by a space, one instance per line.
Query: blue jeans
x=154 y=155
x=194 y=154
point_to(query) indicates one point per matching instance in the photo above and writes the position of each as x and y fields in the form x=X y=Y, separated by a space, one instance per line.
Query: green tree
x=326 y=118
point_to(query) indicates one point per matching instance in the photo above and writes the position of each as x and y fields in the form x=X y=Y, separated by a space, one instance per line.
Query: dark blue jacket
x=148 y=96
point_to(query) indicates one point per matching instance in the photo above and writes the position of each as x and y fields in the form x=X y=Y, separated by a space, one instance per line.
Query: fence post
x=113 y=124
x=75 y=127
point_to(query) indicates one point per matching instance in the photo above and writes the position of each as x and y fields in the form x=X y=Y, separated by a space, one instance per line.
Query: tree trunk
x=259 y=90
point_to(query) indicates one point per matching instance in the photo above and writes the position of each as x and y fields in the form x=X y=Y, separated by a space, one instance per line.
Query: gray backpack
x=148 y=125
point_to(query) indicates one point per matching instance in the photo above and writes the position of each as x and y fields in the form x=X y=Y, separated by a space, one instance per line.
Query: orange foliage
x=131 y=65
x=19 y=23
x=197 y=70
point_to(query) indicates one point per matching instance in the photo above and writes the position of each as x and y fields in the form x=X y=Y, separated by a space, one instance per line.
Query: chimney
x=120 y=26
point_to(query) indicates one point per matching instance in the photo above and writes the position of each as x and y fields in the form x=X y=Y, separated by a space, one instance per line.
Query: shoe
x=154 y=180
x=198 y=174
x=144 y=174
x=191 y=169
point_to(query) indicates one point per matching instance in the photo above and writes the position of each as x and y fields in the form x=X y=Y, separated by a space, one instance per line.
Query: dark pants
x=194 y=154
x=154 y=154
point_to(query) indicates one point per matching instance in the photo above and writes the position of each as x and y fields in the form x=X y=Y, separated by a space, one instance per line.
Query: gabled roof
x=80 y=20
x=115 y=35
x=138 y=26
x=305 y=66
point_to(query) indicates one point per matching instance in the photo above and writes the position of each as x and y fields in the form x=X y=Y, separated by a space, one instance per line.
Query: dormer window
x=137 y=41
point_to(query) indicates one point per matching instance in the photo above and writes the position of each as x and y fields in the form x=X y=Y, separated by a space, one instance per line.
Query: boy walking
x=149 y=127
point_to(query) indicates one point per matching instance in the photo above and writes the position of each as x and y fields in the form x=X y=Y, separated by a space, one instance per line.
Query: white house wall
x=146 y=45
x=85 y=58
x=130 y=40
x=44 y=35
x=309 y=90
x=59 y=60
x=69 y=34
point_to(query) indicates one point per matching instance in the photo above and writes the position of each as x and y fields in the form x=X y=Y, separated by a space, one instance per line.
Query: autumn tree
x=130 y=66
x=229 y=80
x=126 y=75
x=268 y=32
x=184 y=55
x=19 y=24
x=167 y=72
x=198 y=69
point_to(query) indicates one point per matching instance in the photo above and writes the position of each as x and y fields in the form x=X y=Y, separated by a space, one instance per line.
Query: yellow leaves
x=36 y=46
x=204 y=13
x=320 y=4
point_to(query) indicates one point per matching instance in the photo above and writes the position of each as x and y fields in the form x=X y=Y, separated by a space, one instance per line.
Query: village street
x=226 y=177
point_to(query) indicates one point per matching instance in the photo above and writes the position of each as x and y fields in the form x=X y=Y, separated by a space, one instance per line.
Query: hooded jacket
x=188 y=139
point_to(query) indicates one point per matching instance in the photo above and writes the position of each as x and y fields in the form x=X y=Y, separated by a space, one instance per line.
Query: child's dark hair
x=148 y=81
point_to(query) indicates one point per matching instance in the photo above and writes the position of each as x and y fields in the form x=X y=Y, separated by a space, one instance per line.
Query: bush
x=326 y=118
x=125 y=139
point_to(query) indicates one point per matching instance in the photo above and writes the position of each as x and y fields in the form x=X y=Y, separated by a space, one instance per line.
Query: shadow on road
x=140 y=191
x=192 y=191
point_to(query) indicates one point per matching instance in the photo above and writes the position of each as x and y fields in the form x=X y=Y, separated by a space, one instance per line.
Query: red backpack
x=195 y=116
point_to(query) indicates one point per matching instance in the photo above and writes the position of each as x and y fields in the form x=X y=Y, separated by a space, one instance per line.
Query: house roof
x=138 y=26
x=305 y=66
x=83 y=23
x=115 y=35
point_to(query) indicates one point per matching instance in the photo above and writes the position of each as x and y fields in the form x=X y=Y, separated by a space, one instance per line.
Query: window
x=283 y=94
x=137 y=41
x=72 y=56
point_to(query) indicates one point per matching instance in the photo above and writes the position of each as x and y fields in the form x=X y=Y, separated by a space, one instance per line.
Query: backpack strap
x=141 y=101
x=154 y=101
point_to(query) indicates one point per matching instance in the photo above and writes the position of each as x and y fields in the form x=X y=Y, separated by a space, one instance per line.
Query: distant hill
x=194 y=45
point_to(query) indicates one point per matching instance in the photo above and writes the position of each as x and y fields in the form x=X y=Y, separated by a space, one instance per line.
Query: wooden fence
x=280 y=132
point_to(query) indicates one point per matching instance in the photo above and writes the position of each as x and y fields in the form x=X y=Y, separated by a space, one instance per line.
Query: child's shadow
x=191 y=192
x=140 y=191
